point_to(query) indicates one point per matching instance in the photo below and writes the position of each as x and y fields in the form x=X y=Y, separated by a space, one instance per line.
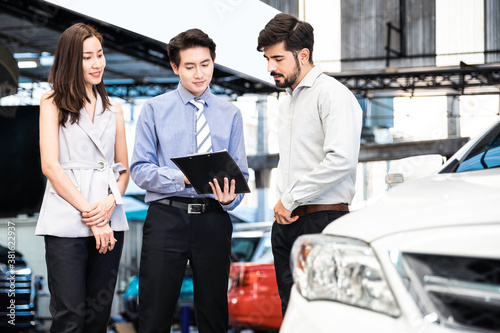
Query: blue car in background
x=136 y=211
x=184 y=314
x=17 y=294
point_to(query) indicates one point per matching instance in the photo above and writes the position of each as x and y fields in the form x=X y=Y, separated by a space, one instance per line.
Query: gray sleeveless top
x=86 y=153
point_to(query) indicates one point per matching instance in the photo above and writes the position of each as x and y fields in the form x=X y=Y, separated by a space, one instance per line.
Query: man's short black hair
x=296 y=34
x=186 y=40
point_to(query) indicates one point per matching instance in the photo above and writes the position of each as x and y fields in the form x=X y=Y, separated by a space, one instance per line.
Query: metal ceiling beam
x=453 y=79
x=128 y=91
x=372 y=152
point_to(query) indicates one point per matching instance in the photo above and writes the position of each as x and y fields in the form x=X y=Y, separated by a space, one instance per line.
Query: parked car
x=184 y=311
x=17 y=292
x=424 y=258
x=246 y=238
x=253 y=297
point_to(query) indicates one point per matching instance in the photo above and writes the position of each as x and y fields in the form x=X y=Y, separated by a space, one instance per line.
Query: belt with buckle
x=309 y=209
x=191 y=208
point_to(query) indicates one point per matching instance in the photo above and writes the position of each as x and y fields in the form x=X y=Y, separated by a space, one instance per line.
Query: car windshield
x=264 y=253
x=244 y=248
x=485 y=155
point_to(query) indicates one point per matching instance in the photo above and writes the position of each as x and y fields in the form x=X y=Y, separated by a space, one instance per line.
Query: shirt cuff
x=287 y=201
x=231 y=205
x=180 y=185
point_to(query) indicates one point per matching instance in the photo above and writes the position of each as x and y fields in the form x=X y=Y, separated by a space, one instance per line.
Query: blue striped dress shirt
x=166 y=128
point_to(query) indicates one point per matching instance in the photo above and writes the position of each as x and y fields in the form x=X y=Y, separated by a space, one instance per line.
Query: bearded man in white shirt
x=319 y=141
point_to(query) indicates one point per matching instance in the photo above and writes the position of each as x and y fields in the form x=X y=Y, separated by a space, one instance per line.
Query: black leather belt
x=309 y=209
x=192 y=207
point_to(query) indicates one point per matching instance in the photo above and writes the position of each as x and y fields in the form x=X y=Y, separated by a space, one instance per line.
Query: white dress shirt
x=319 y=142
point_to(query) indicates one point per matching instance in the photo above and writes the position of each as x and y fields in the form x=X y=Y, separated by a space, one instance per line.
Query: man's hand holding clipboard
x=213 y=173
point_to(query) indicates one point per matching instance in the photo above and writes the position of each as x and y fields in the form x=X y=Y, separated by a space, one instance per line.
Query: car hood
x=440 y=200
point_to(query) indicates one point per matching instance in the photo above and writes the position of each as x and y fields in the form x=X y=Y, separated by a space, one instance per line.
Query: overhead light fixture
x=34 y=60
x=46 y=59
x=27 y=64
x=24 y=56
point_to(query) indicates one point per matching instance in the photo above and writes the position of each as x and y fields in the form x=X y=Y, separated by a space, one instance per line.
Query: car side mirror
x=414 y=167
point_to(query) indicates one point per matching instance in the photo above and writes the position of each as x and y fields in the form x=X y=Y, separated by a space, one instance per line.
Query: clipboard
x=200 y=169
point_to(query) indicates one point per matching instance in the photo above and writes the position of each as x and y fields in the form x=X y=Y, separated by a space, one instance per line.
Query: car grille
x=22 y=289
x=24 y=313
x=459 y=292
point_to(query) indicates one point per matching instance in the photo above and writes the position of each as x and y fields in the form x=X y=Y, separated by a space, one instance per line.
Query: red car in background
x=253 y=297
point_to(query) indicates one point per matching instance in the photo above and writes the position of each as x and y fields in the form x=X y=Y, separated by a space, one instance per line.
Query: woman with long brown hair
x=84 y=157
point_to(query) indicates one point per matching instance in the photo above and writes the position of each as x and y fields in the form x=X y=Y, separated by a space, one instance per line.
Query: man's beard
x=290 y=80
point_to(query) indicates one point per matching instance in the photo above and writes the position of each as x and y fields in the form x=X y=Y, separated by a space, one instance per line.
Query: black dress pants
x=282 y=238
x=170 y=238
x=81 y=283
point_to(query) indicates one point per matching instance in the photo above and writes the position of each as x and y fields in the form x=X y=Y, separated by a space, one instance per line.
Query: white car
x=424 y=258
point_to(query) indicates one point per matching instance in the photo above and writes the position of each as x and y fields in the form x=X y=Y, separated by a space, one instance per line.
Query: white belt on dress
x=101 y=166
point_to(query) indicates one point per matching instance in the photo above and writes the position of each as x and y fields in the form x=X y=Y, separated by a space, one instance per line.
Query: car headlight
x=341 y=269
x=4 y=269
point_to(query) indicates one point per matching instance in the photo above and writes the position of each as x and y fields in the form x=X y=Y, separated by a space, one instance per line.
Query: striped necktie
x=203 y=138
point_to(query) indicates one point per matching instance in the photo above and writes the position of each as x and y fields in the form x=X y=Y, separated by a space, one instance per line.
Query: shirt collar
x=308 y=80
x=186 y=96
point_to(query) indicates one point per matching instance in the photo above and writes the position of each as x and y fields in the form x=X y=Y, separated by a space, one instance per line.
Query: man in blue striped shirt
x=173 y=233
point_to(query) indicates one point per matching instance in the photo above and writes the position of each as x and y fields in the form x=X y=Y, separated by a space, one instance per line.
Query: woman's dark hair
x=296 y=34
x=66 y=76
x=186 y=40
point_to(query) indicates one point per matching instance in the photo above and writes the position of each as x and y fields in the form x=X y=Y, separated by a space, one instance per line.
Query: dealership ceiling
x=135 y=65
x=139 y=66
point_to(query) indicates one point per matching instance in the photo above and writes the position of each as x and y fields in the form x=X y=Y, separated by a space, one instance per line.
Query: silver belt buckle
x=196 y=208
x=102 y=164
